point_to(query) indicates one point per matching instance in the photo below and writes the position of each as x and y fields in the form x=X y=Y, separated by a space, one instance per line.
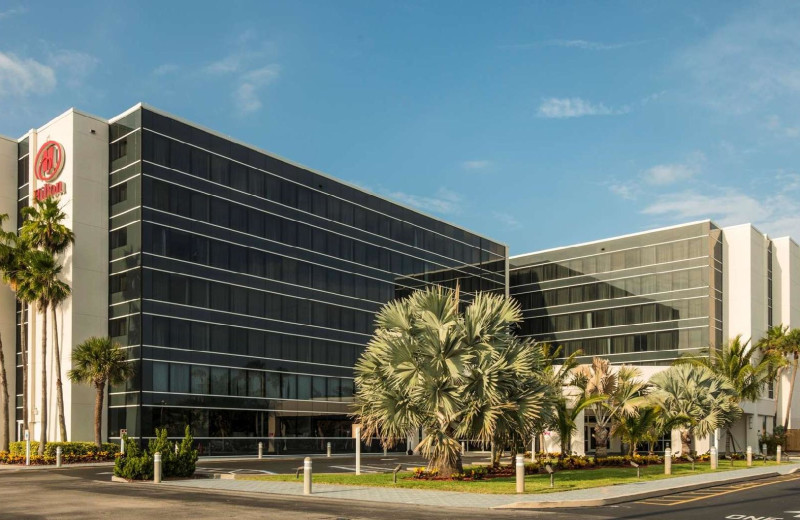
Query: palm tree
x=622 y=391
x=566 y=411
x=44 y=230
x=695 y=398
x=782 y=342
x=736 y=363
x=453 y=374
x=7 y=262
x=97 y=362
x=633 y=429
x=40 y=283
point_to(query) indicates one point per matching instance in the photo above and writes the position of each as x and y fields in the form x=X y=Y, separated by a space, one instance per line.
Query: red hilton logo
x=48 y=165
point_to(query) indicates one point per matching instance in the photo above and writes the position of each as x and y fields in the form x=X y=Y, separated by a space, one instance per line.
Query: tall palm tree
x=40 y=283
x=782 y=342
x=633 y=429
x=7 y=263
x=43 y=229
x=735 y=362
x=623 y=391
x=698 y=400
x=97 y=362
x=453 y=374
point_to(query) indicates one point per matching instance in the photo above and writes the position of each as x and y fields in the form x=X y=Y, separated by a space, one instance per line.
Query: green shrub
x=133 y=465
x=773 y=440
x=67 y=448
x=139 y=466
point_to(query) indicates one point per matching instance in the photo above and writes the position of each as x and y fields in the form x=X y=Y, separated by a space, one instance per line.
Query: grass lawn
x=564 y=480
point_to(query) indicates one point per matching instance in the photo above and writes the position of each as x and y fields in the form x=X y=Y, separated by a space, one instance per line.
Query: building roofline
x=294 y=163
x=611 y=238
x=67 y=112
x=786 y=237
x=5 y=138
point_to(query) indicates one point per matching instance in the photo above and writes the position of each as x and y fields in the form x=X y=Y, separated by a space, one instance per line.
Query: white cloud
x=165 y=69
x=445 y=202
x=774 y=124
x=73 y=66
x=21 y=77
x=246 y=96
x=626 y=191
x=13 y=12
x=476 y=164
x=572 y=44
x=668 y=173
x=506 y=219
x=560 y=108
x=226 y=65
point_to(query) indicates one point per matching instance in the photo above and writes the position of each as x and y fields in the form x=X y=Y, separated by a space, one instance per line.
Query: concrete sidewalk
x=577 y=498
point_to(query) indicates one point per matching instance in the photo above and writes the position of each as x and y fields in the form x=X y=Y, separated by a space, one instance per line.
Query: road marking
x=693 y=496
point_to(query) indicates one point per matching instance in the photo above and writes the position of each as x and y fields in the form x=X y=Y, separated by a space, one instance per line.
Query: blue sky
x=537 y=123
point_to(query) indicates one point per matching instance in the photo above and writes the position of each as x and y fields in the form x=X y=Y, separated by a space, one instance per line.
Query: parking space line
x=693 y=496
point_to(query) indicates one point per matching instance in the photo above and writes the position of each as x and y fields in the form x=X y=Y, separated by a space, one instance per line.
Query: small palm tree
x=453 y=374
x=7 y=263
x=780 y=342
x=43 y=230
x=736 y=362
x=622 y=391
x=97 y=362
x=698 y=400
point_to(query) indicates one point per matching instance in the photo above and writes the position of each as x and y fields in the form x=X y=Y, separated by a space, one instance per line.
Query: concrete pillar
x=157 y=468
x=749 y=456
x=713 y=458
x=260 y=450
x=520 y=473
x=58 y=456
x=668 y=462
x=358 y=450
x=307 y=476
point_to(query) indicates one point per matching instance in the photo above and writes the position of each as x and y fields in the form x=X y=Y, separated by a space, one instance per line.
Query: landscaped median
x=71 y=453
x=565 y=480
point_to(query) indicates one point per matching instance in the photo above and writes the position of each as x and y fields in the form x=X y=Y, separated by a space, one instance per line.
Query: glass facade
x=245 y=287
x=644 y=298
x=23 y=173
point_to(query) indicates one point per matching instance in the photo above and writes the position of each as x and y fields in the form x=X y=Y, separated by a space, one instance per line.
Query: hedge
x=67 y=448
x=136 y=465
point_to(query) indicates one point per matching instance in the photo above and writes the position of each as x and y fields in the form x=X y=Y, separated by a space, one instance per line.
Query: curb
x=596 y=502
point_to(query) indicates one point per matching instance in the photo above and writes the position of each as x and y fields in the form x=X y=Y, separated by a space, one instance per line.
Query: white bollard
x=520 y=473
x=307 y=476
x=668 y=462
x=27 y=448
x=358 y=450
x=778 y=454
x=157 y=468
x=385 y=451
x=58 y=456
x=260 y=450
x=329 y=449
x=713 y=458
x=749 y=456
x=122 y=445
x=176 y=447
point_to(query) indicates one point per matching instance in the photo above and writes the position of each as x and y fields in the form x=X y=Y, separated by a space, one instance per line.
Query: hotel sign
x=47 y=167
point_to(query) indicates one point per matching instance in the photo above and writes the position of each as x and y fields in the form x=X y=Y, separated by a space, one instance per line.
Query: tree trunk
x=98 y=413
x=43 y=410
x=686 y=442
x=62 y=425
x=601 y=438
x=4 y=419
x=791 y=392
x=23 y=347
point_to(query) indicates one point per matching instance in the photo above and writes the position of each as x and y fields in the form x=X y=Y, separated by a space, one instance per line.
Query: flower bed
x=71 y=453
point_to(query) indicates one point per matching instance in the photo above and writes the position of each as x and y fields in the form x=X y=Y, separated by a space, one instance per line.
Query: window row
x=219 y=296
x=629 y=315
x=604 y=262
x=200 y=379
x=631 y=343
x=633 y=286
x=225 y=339
x=200 y=163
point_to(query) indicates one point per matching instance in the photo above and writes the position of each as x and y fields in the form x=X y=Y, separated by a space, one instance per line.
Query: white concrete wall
x=786 y=311
x=8 y=205
x=85 y=267
x=744 y=282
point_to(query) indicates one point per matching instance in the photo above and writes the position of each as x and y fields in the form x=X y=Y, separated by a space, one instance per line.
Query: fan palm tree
x=622 y=391
x=43 y=229
x=698 y=400
x=7 y=263
x=566 y=411
x=453 y=374
x=736 y=363
x=97 y=362
x=782 y=343
x=40 y=283
x=633 y=429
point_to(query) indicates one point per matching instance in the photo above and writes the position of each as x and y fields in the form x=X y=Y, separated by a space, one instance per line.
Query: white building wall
x=85 y=267
x=786 y=311
x=8 y=205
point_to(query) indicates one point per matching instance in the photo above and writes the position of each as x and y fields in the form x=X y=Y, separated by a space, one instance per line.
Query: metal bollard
x=260 y=450
x=329 y=449
x=58 y=456
x=668 y=462
x=307 y=476
x=176 y=447
x=713 y=452
x=520 y=473
x=122 y=445
x=27 y=448
x=358 y=450
x=778 y=454
x=385 y=450
x=749 y=456
x=157 y=468
x=549 y=469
